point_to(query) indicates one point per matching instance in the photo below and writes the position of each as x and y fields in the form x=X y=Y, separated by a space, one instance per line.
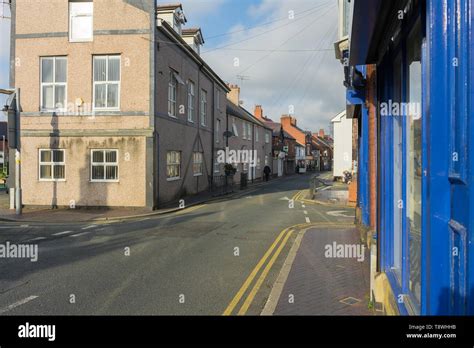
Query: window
x=249 y=131
x=104 y=165
x=107 y=82
x=234 y=128
x=52 y=165
x=266 y=160
x=245 y=166
x=413 y=159
x=190 y=101
x=172 y=95
x=80 y=21
x=173 y=165
x=203 y=107
x=197 y=163
x=217 y=166
x=218 y=99
x=217 y=132
x=53 y=83
x=256 y=135
x=244 y=131
x=267 y=137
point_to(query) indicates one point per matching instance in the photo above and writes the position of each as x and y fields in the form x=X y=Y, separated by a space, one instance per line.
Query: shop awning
x=365 y=16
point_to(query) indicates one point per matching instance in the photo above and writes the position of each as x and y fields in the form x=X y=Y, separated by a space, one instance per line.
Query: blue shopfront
x=423 y=53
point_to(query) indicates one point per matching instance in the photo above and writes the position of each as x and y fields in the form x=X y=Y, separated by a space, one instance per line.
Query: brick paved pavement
x=318 y=284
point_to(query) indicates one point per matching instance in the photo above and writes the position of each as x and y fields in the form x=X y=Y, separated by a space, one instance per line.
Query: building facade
x=342 y=144
x=118 y=107
x=244 y=132
x=409 y=82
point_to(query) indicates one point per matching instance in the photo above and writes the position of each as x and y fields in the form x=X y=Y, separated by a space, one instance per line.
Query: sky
x=286 y=62
x=282 y=48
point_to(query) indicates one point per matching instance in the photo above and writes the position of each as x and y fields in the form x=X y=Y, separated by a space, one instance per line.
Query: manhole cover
x=350 y=301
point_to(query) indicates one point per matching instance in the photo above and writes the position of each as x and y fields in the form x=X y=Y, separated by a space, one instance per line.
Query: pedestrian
x=267 y=172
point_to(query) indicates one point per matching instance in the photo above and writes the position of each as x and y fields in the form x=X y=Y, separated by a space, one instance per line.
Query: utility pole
x=18 y=155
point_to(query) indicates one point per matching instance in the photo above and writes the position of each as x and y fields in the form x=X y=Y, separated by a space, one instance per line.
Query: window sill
x=197 y=174
x=173 y=179
x=81 y=40
x=105 y=109
x=52 y=180
x=104 y=181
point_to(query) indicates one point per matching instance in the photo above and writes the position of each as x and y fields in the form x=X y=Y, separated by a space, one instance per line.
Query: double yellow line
x=284 y=235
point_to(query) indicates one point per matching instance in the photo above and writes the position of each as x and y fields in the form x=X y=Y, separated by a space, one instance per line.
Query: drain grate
x=350 y=301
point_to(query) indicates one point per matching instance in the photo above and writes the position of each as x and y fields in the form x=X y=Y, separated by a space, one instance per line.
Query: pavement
x=222 y=257
x=97 y=214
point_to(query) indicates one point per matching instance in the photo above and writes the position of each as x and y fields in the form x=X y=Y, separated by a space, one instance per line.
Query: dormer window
x=81 y=21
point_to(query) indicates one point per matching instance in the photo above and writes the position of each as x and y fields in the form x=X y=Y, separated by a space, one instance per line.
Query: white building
x=342 y=144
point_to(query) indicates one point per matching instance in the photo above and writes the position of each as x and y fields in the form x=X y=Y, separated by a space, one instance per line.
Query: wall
x=42 y=30
x=342 y=145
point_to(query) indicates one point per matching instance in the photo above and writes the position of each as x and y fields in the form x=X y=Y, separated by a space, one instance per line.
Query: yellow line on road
x=262 y=277
x=248 y=281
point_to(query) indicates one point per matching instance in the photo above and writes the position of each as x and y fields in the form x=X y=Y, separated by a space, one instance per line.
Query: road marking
x=303 y=206
x=248 y=281
x=88 y=227
x=305 y=212
x=190 y=209
x=24 y=225
x=339 y=213
x=307 y=220
x=262 y=277
x=144 y=219
x=17 y=304
x=61 y=233
x=79 y=234
x=37 y=238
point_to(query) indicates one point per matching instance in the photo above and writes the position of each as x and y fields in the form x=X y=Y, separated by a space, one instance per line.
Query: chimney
x=258 y=113
x=321 y=133
x=287 y=120
x=234 y=94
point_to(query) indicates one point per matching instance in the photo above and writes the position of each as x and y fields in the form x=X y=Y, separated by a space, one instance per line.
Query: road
x=198 y=261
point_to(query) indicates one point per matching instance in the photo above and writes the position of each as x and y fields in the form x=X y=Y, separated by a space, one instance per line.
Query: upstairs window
x=53 y=83
x=203 y=108
x=191 y=101
x=107 y=82
x=172 y=83
x=81 y=21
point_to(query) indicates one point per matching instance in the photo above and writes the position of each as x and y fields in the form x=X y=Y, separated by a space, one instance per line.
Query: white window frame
x=267 y=137
x=52 y=164
x=203 y=108
x=107 y=82
x=244 y=130
x=79 y=14
x=172 y=86
x=256 y=134
x=218 y=99
x=173 y=178
x=234 y=128
x=105 y=165
x=53 y=84
x=217 y=166
x=249 y=131
x=217 y=131
x=200 y=163
x=191 y=100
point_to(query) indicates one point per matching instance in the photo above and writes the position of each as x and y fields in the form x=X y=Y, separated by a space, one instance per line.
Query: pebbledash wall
x=40 y=29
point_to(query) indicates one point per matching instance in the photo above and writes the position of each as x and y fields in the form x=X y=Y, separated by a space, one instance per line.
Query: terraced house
x=118 y=107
